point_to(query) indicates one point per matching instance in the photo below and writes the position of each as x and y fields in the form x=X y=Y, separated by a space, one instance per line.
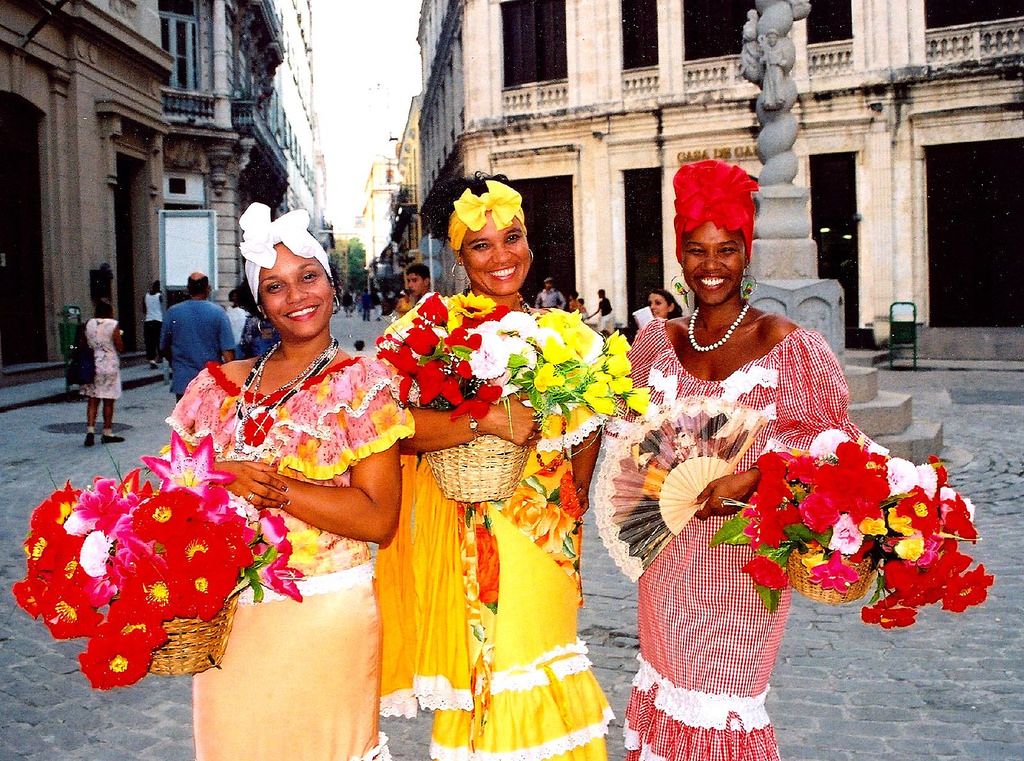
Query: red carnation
x=167 y=516
x=68 y=614
x=969 y=589
x=819 y=512
x=766 y=572
x=433 y=310
x=28 y=593
x=123 y=619
x=422 y=340
x=116 y=661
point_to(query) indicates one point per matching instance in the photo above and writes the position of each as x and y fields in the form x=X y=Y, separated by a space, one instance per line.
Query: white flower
x=903 y=476
x=875 y=448
x=928 y=479
x=543 y=334
x=969 y=505
x=826 y=443
x=520 y=323
x=95 y=553
x=491 y=359
x=846 y=537
x=76 y=525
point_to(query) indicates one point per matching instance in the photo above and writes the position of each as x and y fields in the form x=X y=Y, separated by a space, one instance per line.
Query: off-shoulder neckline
x=233 y=389
x=675 y=357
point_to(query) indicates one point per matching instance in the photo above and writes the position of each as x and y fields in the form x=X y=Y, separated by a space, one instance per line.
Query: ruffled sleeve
x=649 y=343
x=207 y=408
x=813 y=395
x=347 y=416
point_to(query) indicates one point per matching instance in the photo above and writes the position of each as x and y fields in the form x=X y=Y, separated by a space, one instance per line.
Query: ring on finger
x=251 y=497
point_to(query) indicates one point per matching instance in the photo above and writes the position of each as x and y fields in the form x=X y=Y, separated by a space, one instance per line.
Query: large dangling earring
x=456 y=264
x=679 y=286
x=336 y=305
x=530 y=251
x=748 y=284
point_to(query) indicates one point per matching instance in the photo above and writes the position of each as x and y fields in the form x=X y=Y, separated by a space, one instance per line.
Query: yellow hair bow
x=503 y=202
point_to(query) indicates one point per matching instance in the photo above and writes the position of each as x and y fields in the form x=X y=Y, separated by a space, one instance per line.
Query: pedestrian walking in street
x=258 y=337
x=493 y=642
x=195 y=332
x=708 y=643
x=575 y=303
x=103 y=334
x=309 y=434
x=549 y=297
x=153 y=309
x=237 y=315
x=347 y=303
x=605 y=318
x=365 y=304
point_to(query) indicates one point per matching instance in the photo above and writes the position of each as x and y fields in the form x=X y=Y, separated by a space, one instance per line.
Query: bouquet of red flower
x=826 y=520
x=116 y=562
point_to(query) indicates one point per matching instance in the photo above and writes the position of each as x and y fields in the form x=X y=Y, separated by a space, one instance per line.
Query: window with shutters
x=533 y=34
x=639 y=33
x=179 y=38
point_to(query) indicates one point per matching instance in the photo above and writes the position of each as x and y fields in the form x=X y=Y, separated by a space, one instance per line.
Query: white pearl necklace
x=721 y=341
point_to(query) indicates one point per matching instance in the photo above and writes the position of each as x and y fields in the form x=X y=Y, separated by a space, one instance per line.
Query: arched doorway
x=22 y=319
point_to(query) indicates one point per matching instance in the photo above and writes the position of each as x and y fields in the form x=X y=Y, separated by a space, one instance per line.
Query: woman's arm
x=584 y=461
x=436 y=430
x=738 y=486
x=117 y=337
x=366 y=509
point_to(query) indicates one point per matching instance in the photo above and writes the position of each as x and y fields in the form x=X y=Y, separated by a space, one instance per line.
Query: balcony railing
x=188 y=107
x=243 y=116
x=712 y=73
x=975 y=42
x=536 y=97
x=830 y=58
x=640 y=83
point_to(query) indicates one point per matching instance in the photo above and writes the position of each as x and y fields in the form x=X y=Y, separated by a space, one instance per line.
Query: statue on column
x=767 y=59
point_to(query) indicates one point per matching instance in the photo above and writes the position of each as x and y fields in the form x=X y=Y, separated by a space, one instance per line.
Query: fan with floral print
x=654 y=469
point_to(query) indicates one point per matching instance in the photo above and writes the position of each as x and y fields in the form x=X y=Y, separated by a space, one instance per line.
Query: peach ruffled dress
x=301 y=680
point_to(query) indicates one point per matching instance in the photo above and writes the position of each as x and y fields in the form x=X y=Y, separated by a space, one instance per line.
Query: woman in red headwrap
x=707 y=642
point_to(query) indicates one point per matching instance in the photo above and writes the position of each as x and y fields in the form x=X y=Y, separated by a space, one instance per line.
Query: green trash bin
x=67 y=330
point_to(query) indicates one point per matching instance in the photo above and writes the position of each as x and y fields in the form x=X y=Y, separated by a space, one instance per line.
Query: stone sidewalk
x=950 y=687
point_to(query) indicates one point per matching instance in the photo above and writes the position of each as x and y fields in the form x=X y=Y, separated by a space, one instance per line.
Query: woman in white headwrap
x=309 y=435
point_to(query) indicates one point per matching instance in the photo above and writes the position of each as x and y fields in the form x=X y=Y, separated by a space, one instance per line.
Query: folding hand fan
x=653 y=471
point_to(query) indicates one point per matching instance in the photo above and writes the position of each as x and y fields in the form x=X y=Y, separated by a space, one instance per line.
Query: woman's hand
x=738 y=487
x=511 y=420
x=256 y=482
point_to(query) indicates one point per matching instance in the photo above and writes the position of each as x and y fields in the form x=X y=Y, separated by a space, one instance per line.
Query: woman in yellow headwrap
x=488 y=639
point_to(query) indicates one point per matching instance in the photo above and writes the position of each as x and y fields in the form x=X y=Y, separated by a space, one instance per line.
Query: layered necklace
x=721 y=341
x=256 y=415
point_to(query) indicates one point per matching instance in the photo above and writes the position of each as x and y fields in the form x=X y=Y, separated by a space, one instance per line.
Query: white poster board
x=188 y=244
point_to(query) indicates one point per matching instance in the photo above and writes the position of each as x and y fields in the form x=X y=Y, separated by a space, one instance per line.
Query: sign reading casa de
x=723 y=152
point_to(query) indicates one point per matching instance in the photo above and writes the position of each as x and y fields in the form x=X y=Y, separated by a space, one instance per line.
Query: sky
x=366 y=69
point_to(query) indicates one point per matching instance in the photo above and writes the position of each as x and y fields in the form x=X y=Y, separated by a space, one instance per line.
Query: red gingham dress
x=707 y=643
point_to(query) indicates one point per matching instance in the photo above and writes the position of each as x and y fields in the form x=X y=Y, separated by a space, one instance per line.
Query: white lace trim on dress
x=379 y=752
x=702 y=709
x=563 y=661
x=317 y=585
x=572 y=438
x=632 y=742
x=401 y=703
x=744 y=381
x=558 y=747
x=436 y=693
x=619 y=551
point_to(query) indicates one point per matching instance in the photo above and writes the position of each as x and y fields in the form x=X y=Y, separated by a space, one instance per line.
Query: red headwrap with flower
x=713 y=191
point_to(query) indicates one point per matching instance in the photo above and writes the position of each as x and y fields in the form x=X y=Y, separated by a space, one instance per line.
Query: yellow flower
x=617 y=365
x=875 y=526
x=597 y=396
x=307 y=450
x=812 y=560
x=467 y=305
x=305 y=545
x=639 y=400
x=387 y=417
x=910 y=549
x=621 y=385
x=547 y=378
x=616 y=344
x=900 y=523
x=556 y=352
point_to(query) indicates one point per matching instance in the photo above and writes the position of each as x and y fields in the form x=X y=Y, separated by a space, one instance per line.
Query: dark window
x=180 y=7
x=953 y=12
x=830 y=20
x=639 y=33
x=547 y=203
x=178 y=37
x=713 y=28
x=177 y=186
x=645 y=269
x=533 y=33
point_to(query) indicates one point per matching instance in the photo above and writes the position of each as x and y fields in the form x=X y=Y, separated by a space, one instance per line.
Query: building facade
x=82 y=135
x=911 y=139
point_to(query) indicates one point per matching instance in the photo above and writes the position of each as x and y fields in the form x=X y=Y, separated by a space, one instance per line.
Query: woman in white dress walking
x=104 y=337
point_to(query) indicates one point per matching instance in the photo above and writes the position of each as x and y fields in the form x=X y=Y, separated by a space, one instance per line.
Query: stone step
x=863 y=383
x=888 y=413
x=922 y=438
x=865 y=357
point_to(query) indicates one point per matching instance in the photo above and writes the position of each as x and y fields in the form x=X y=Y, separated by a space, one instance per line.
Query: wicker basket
x=194 y=645
x=800 y=578
x=487 y=468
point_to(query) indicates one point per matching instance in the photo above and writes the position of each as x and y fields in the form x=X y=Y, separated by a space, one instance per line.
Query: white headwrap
x=259 y=235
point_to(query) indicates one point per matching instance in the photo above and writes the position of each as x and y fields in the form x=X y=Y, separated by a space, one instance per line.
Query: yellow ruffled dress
x=488 y=638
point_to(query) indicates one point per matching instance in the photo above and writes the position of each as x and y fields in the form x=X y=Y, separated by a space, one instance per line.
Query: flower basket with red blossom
x=841 y=518
x=466 y=353
x=150 y=576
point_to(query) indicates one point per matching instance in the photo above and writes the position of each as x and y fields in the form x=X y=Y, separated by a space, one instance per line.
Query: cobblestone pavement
x=951 y=687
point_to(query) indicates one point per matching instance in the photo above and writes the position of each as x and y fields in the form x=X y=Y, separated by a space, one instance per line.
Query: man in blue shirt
x=195 y=332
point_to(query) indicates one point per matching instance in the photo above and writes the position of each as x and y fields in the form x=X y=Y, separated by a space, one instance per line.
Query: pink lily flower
x=188 y=470
x=279 y=577
x=833 y=574
x=275 y=532
x=105 y=508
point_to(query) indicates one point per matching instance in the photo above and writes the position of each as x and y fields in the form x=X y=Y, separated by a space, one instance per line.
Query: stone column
x=221 y=53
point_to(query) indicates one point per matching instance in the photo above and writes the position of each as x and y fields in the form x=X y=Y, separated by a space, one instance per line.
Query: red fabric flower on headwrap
x=713 y=191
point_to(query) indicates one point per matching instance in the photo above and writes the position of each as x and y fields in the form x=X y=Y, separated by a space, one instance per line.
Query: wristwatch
x=474 y=426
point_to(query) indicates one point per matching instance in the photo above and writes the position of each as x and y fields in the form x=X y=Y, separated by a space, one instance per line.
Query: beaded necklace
x=256 y=415
x=721 y=341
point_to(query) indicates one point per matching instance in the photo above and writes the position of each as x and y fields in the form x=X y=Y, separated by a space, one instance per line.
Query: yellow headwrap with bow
x=503 y=202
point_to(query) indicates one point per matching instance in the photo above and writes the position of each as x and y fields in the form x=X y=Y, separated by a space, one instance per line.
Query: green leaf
x=567 y=547
x=779 y=555
x=534 y=483
x=731 y=532
x=798 y=532
x=770 y=597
